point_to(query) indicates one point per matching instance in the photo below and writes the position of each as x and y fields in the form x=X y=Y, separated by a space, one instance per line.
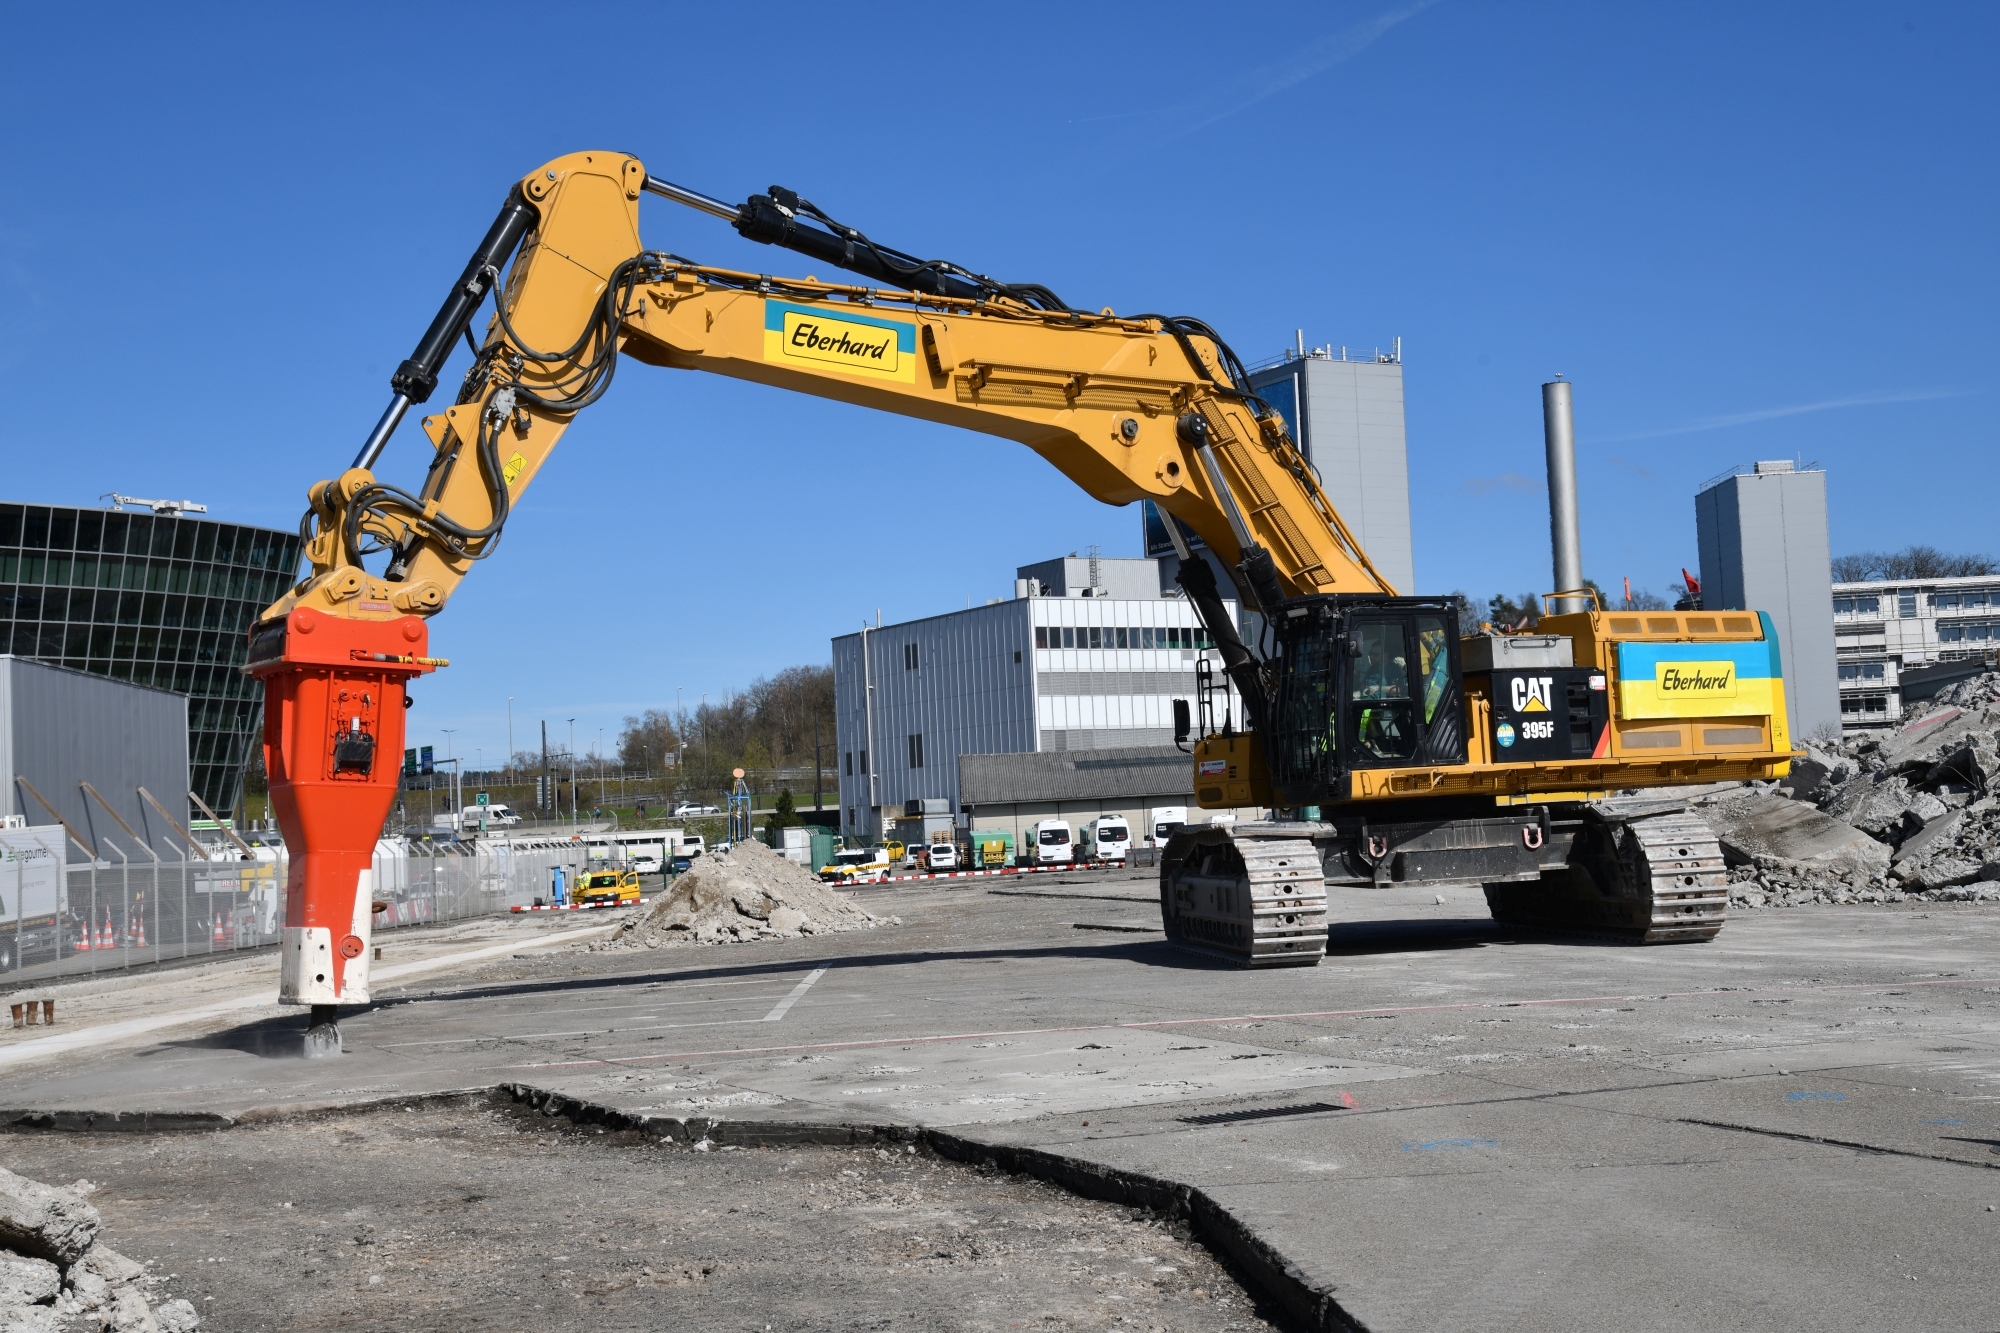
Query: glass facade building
x=154 y=599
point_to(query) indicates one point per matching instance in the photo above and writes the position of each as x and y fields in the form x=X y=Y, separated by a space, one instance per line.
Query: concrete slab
x=1523 y=1133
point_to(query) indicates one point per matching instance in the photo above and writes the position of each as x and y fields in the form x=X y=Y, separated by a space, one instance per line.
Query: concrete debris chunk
x=176 y=1316
x=44 y=1221
x=1761 y=824
x=1933 y=836
x=88 y=1290
x=26 y=1281
x=129 y=1314
x=31 y=1319
x=110 y=1265
x=748 y=892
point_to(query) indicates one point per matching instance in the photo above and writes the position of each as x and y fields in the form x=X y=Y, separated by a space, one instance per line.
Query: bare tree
x=1912 y=562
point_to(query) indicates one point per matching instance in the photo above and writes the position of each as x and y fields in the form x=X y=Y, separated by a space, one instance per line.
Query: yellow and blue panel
x=814 y=338
x=1663 y=680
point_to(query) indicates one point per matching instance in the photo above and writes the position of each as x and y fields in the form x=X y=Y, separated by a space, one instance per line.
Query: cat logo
x=1531 y=693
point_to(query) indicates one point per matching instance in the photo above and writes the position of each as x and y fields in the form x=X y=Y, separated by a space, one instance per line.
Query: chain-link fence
x=121 y=911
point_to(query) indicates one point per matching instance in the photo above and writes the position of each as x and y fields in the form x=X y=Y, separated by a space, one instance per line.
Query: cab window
x=1382 y=719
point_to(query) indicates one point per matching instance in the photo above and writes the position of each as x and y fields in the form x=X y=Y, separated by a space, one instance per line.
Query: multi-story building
x=1884 y=628
x=1087 y=656
x=1344 y=407
x=157 y=599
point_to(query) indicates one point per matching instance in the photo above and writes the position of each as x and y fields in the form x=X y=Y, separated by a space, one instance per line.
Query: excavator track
x=1634 y=879
x=1258 y=902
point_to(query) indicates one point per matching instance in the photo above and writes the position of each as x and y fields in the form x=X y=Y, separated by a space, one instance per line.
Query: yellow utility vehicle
x=856 y=865
x=608 y=886
x=1389 y=749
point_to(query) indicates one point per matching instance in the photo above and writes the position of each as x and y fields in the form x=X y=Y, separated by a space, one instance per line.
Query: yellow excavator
x=1391 y=750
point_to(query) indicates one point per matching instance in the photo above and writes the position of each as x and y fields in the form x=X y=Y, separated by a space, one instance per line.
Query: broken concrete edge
x=1799 y=1137
x=1264 y=1271
x=1275 y=1280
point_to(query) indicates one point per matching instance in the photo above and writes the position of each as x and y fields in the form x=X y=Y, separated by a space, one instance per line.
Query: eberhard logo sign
x=815 y=336
x=1695 y=680
x=1739 y=679
x=845 y=344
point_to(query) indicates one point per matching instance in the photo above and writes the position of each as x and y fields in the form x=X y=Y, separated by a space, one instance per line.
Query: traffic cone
x=106 y=937
x=219 y=937
x=83 y=939
x=140 y=942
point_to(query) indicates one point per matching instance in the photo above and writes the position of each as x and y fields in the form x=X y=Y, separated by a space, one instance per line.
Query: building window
x=909 y=657
x=1041 y=638
x=850 y=817
x=1123 y=640
x=850 y=763
x=916 y=752
x=1857 y=606
x=1864 y=705
x=864 y=763
x=1017 y=657
x=1906 y=605
x=1863 y=671
x=1096 y=637
x=1069 y=638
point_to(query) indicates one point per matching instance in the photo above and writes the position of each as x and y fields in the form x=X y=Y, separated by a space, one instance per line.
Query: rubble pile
x=1911 y=814
x=746 y=893
x=57 y=1277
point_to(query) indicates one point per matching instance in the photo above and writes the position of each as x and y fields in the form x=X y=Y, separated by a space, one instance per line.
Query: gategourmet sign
x=817 y=337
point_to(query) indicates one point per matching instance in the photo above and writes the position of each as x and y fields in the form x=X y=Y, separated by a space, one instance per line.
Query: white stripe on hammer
x=798 y=991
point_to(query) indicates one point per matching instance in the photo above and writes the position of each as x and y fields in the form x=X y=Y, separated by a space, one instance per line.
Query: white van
x=1166 y=821
x=941 y=856
x=1048 y=842
x=1106 y=838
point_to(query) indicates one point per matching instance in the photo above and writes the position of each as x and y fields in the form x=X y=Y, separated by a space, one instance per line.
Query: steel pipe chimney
x=1565 y=538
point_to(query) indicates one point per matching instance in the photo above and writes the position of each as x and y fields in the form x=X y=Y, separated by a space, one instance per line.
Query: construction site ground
x=1443 y=1126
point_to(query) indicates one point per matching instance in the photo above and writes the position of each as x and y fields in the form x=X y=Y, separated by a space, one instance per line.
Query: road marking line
x=778 y=1010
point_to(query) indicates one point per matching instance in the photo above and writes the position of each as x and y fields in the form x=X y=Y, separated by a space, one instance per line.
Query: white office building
x=1885 y=629
x=1088 y=655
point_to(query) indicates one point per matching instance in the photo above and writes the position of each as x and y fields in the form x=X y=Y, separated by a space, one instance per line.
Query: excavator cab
x=1362 y=682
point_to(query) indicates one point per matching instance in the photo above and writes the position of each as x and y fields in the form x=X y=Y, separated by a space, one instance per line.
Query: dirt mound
x=746 y=893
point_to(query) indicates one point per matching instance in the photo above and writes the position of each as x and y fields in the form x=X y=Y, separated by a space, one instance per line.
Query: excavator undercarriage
x=1626 y=870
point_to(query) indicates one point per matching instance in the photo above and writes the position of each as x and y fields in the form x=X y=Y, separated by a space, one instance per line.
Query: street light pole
x=572 y=775
x=510 y=731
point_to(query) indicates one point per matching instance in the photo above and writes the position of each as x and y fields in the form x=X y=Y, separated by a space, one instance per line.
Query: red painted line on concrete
x=1241 y=1018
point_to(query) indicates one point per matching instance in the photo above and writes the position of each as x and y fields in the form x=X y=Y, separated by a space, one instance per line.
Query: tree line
x=769 y=725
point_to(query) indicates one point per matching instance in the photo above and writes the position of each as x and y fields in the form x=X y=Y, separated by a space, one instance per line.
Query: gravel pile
x=56 y=1276
x=746 y=893
x=1914 y=814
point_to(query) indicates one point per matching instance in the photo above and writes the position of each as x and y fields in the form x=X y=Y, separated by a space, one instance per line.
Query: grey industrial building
x=1763 y=541
x=1016 y=791
x=61 y=729
x=1344 y=407
x=158 y=599
x=1087 y=656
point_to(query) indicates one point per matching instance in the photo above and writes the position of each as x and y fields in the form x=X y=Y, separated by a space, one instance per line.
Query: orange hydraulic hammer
x=333 y=746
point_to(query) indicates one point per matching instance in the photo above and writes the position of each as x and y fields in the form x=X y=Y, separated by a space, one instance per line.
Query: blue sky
x=1743 y=232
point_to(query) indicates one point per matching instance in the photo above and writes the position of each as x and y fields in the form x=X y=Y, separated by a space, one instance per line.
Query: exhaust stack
x=1565 y=538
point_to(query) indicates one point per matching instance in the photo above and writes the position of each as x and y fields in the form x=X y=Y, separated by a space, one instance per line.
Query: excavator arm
x=1128 y=407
